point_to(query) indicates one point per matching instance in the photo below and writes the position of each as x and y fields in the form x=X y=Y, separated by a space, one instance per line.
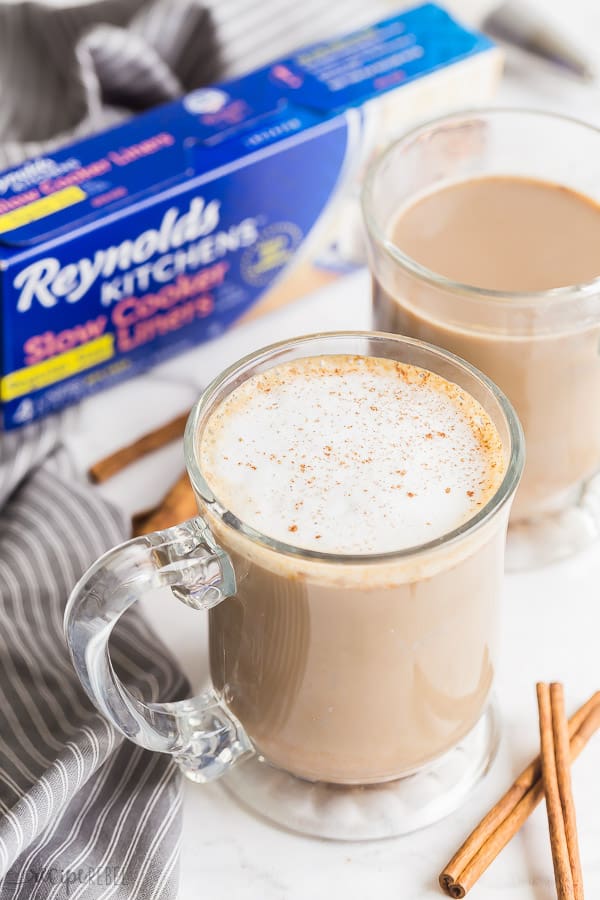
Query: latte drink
x=360 y=643
x=511 y=236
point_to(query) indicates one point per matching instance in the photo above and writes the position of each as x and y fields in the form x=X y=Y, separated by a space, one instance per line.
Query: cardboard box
x=121 y=250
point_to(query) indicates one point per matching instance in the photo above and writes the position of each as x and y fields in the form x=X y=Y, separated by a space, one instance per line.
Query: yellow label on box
x=38 y=209
x=33 y=378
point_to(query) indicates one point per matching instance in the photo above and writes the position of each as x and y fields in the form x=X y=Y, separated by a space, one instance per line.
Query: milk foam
x=351 y=454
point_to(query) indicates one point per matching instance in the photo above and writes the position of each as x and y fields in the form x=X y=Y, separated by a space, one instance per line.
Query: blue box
x=121 y=250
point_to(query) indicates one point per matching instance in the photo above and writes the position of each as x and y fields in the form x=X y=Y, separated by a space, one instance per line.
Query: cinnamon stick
x=556 y=777
x=177 y=505
x=139 y=519
x=511 y=812
x=563 y=768
x=154 y=440
x=563 y=875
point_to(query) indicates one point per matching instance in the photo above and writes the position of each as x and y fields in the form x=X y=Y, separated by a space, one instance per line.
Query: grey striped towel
x=83 y=813
x=67 y=71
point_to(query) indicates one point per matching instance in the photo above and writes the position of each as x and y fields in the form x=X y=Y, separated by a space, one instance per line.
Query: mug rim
x=523 y=299
x=497 y=501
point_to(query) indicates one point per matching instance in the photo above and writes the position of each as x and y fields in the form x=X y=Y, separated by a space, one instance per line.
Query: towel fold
x=69 y=71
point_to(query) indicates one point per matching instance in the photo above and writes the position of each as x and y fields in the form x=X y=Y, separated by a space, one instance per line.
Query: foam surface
x=351 y=454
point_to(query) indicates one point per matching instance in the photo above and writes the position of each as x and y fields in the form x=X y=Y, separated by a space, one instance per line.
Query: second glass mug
x=350 y=695
x=542 y=347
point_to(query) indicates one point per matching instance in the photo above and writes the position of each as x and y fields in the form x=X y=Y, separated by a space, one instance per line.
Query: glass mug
x=350 y=695
x=541 y=348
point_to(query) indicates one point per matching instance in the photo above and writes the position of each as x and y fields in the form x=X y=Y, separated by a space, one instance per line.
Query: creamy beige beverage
x=343 y=669
x=504 y=234
x=509 y=234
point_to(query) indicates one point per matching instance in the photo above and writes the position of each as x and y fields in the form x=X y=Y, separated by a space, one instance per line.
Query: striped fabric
x=252 y=33
x=83 y=813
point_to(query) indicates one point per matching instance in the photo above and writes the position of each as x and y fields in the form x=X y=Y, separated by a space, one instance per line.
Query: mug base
x=557 y=534
x=368 y=812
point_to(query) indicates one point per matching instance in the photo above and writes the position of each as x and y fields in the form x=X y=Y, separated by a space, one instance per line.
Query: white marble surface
x=551 y=627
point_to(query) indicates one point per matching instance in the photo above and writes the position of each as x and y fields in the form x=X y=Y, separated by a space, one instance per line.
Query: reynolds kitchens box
x=121 y=250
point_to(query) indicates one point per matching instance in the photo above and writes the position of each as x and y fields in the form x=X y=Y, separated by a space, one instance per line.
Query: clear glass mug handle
x=201 y=733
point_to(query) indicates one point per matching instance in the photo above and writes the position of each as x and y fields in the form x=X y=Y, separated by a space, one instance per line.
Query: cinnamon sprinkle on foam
x=358 y=424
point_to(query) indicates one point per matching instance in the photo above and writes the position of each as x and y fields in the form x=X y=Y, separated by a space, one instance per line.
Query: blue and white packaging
x=121 y=250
